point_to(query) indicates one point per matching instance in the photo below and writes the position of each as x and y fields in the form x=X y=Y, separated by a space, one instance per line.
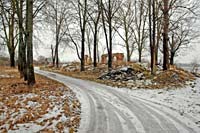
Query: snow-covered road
x=111 y=110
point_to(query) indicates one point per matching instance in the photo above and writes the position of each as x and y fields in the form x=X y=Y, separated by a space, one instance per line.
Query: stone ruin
x=88 y=59
x=117 y=57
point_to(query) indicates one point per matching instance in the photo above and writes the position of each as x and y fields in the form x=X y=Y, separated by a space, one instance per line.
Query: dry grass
x=172 y=78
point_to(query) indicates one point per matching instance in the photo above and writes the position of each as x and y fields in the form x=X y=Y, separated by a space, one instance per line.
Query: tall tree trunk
x=29 y=42
x=95 y=48
x=83 y=51
x=52 y=56
x=11 y=45
x=104 y=26
x=153 y=41
x=127 y=44
x=24 y=62
x=56 y=58
x=165 y=35
x=157 y=47
x=12 y=57
x=89 y=44
x=96 y=22
x=22 y=46
x=140 y=55
x=172 y=58
x=128 y=52
x=110 y=36
x=83 y=37
x=20 y=52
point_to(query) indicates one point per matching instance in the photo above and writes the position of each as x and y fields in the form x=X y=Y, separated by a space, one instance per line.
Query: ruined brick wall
x=88 y=60
x=104 y=58
x=119 y=57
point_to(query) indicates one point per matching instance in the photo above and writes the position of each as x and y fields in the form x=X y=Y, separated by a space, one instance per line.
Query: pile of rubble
x=70 y=67
x=127 y=77
x=123 y=74
x=134 y=78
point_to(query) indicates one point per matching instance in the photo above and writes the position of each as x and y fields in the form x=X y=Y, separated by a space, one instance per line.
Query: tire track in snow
x=177 y=122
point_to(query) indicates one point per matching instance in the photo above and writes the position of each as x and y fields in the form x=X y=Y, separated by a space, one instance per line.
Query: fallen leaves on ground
x=48 y=106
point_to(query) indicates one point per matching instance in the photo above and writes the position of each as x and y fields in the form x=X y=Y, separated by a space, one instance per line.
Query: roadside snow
x=185 y=101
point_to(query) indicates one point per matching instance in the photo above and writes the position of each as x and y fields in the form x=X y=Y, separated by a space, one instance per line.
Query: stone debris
x=126 y=77
x=123 y=74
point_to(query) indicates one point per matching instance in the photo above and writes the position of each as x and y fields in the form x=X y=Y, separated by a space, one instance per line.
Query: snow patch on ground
x=48 y=111
x=184 y=101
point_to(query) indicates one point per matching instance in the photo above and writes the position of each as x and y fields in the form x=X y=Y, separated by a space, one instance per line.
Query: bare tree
x=176 y=17
x=94 y=13
x=125 y=19
x=181 y=32
x=140 y=32
x=77 y=28
x=22 y=46
x=83 y=18
x=8 y=22
x=29 y=42
x=165 y=9
x=55 y=13
x=158 y=25
x=152 y=34
x=89 y=41
x=109 y=10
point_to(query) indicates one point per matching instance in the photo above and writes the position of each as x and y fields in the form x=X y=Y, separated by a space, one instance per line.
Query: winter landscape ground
x=108 y=109
x=99 y=66
x=89 y=107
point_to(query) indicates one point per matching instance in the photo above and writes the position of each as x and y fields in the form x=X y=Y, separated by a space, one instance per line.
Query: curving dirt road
x=109 y=110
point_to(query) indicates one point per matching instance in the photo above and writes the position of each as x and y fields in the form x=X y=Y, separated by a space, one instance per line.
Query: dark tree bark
x=172 y=58
x=96 y=23
x=153 y=65
x=52 y=55
x=110 y=35
x=109 y=14
x=11 y=45
x=83 y=50
x=165 y=35
x=140 y=56
x=29 y=42
x=152 y=36
x=56 y=58
x=83 y=22
x=95 y=48
x=22 y=46
x=12 y=58
x=128 y=54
